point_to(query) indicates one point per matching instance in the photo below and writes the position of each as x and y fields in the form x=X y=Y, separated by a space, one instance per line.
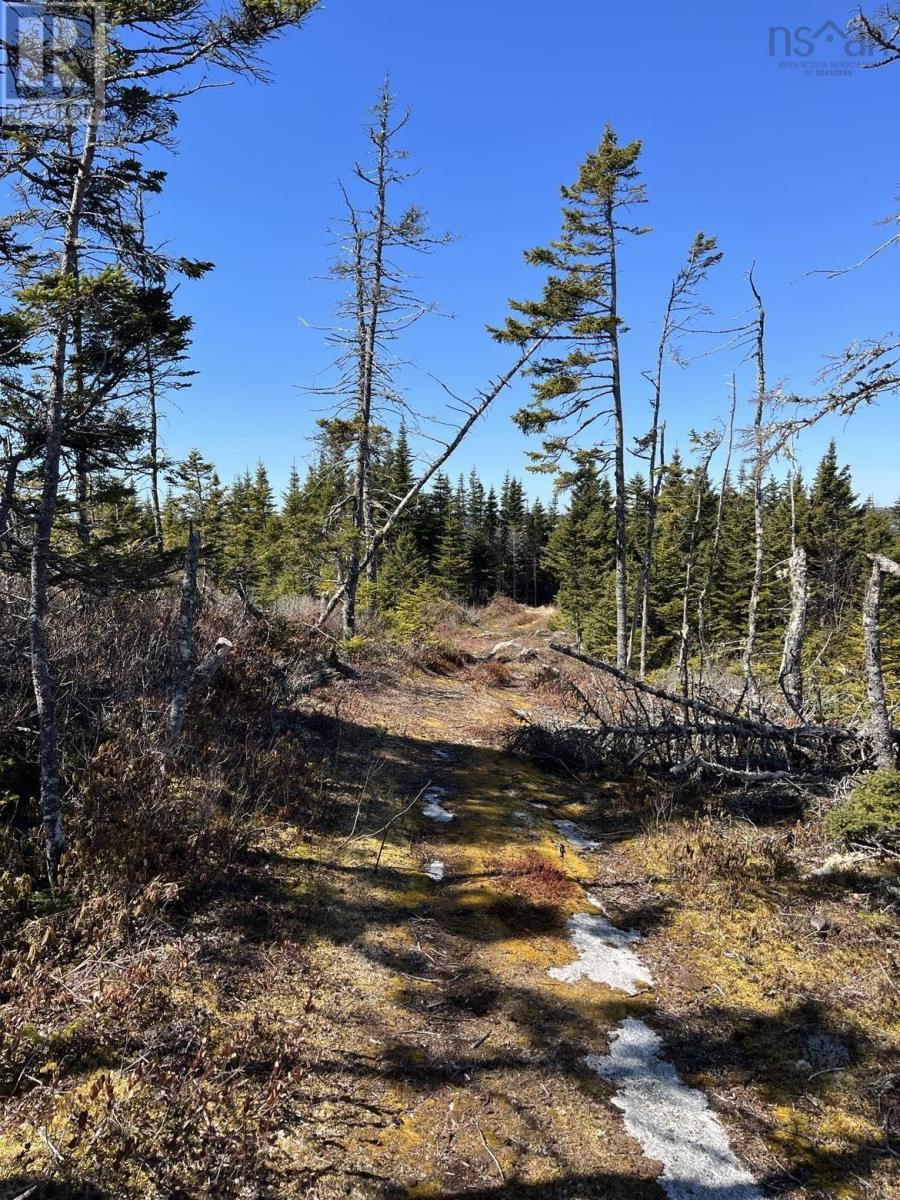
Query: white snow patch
x=672 y=1122
x=534 y=805
x=524 y=817
x=603 y=954
x=433 y=807
x=435 y=870
x=573 y=834
x=439 y=753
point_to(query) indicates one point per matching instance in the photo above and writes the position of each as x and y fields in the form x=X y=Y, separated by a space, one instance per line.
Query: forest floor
x=423 y=1036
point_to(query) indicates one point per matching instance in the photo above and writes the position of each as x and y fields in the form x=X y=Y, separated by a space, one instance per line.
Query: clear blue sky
x=789 y=169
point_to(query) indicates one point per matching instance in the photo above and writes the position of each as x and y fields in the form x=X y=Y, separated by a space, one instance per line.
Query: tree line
x=472 y=541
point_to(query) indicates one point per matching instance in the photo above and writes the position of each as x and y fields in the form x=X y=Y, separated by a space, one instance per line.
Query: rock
x=506 y=651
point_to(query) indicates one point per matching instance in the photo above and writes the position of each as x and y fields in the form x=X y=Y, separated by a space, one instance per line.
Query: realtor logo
x=51 y=61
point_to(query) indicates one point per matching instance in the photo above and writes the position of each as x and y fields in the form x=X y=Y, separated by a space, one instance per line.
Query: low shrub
x=505 y=608
x=443 y=657
x=870 y=816
x=491 y=674
x=417 y=612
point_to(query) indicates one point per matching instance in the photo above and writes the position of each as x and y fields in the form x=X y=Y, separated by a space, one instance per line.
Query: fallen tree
x=639 y=724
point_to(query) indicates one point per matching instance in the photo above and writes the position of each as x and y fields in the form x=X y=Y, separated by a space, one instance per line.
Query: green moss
x=871 y=815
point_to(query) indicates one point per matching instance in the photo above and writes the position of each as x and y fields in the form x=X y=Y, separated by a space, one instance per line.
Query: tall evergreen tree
x=836 y=540
x=581 y=384
x=581 y=549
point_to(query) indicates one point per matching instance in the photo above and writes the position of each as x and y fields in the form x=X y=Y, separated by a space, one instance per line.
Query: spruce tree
x=836 y=540
x=579 y=381
x=581 y=549
x=452 y=566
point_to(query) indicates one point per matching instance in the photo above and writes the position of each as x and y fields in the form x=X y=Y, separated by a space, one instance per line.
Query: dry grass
x=491 y=674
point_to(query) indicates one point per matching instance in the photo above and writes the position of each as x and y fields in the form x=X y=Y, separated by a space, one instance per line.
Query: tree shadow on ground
x=602 y=1186
x=21 y=1186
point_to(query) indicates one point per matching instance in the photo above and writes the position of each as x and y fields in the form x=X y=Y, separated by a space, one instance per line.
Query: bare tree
x=760 y=459
x=707 y=444
x=790 y=676
x=680 y=313
x=379 y=306
x=880 y=31
x=703 y=598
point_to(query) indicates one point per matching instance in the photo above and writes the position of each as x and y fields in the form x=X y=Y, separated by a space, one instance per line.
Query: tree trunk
x=882 y=733
x=717 y=542
x=43 y=678
x=657 y=473
x=751 y=687
x=152 y=401
x=154 y=452
x=82 y=480
x=185 y=640
x=621 y=535
x=791 y=674
x=689 y=574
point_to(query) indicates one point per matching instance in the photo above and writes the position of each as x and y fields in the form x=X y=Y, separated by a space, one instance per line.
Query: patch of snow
x=525 y=817
x=534 y=805
x=439 y=753
x=433 y=808
x=573 y=834
x=435 y=870
x=672 y=1122
x=604 y=955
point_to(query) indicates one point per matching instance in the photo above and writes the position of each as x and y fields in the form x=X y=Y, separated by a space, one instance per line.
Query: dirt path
x=484 y=983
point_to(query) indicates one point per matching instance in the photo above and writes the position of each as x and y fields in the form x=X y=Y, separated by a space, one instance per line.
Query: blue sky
x=788 y=168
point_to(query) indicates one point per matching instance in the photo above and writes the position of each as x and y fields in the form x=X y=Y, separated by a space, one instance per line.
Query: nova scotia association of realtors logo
x=826 y=49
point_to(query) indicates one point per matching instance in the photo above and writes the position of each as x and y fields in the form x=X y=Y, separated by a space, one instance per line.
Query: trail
x=491 y=1010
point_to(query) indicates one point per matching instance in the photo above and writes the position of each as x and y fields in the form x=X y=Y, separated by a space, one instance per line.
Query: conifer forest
x=487 y=783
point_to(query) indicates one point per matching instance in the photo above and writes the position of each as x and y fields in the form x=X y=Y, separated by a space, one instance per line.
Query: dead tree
x=880 y=32
x=379 y=306
x=703 y=598
x=751 y=687
x=709 y=444
x=152 y=390
x=790 y=676
x=881 y=730
x=640 y=724
x=681 y=309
